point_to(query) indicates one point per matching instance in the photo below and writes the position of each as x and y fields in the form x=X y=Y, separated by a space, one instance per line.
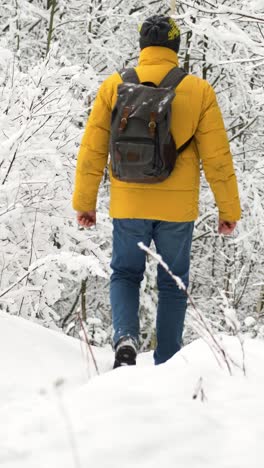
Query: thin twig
x=88 y=342
x=201 y=323
x=68 y=425
x=30 y=257
x=3 y=293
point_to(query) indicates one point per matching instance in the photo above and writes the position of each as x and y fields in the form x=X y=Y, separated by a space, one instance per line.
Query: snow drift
x=55 y=412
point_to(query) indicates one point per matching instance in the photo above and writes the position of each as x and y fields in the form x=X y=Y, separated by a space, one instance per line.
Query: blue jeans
x=173 y=243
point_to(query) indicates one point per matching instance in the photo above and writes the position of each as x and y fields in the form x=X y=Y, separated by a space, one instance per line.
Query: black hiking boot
x=125 y=352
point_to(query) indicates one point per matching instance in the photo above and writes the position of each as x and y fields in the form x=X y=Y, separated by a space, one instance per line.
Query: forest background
x=53 y=56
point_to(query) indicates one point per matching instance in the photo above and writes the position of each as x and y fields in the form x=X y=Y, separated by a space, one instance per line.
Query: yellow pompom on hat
x=160 y=31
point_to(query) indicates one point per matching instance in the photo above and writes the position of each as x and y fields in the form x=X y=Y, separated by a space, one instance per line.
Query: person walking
x=164 y=211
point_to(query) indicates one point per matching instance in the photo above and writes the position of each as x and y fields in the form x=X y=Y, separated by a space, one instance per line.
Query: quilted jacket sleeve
x=93 y=154
x=214 y=151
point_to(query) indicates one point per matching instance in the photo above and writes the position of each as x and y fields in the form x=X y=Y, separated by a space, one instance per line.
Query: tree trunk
x=52 y=4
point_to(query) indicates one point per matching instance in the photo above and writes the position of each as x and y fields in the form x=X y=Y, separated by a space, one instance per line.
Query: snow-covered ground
x=56 y=413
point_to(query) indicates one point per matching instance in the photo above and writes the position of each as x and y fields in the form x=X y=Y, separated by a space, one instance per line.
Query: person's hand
x=86 y=218
x=226 y=227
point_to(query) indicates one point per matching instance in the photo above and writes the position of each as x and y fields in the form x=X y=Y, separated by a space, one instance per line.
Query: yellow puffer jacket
x=194 y=112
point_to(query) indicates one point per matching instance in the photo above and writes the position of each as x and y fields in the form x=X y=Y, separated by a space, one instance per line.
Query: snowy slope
x=53 y=416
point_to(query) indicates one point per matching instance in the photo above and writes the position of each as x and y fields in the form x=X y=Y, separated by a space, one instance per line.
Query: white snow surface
x=55 y=413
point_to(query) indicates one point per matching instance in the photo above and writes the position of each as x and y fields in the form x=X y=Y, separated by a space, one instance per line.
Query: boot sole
x=125 y=356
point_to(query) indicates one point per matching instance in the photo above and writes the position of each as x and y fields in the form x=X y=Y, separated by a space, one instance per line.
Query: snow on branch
x=74 y=263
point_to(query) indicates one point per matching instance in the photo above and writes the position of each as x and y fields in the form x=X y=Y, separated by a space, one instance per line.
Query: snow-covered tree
x=53 y=55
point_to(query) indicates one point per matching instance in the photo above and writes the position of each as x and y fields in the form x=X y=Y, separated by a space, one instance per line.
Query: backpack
x=142 y=148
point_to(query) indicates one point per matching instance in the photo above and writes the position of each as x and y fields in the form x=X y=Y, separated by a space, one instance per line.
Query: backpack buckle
x=123 y=121
x=152 y=123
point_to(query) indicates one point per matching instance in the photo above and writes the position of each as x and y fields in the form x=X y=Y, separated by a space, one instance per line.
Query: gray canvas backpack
x=142 y=148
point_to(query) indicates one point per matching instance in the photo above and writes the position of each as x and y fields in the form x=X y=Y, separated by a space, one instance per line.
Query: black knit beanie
x=160 y=31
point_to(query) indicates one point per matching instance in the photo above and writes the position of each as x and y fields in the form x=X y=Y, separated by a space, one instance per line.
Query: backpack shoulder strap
x=185 y=145
x=173 y=78
x=129 y=75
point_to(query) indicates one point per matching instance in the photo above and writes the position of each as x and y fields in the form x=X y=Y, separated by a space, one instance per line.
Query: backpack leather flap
x=144 y=100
